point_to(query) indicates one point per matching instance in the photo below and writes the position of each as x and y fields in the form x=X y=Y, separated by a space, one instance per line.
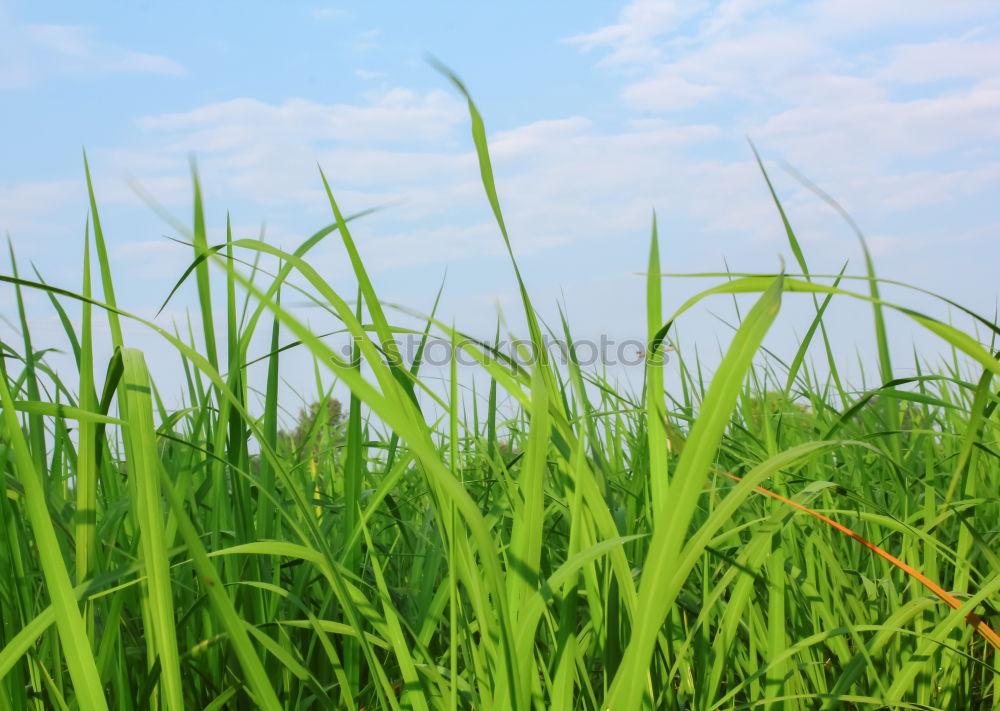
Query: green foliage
x=776 y=407
x=321 y=421
x=586 y=551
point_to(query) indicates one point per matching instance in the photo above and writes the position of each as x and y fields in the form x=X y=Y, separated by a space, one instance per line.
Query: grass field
x=763 y=536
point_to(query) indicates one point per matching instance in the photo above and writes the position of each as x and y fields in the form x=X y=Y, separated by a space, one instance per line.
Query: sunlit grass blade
x=144 y=482
x=86 y=466
x=100 y=245
x=72 y=629
x=656 y=434
x=668 y=537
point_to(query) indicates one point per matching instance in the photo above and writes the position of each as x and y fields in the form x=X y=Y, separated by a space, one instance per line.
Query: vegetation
x=321 y=422
x=770 y=538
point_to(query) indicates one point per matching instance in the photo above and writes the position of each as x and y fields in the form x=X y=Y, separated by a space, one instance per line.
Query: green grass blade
x=656 y=432
x=72 y=629
x=254 y=674
x=144 y=481
x=685 y=485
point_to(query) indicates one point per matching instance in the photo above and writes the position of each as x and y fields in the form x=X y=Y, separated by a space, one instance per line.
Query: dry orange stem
x=973 y=619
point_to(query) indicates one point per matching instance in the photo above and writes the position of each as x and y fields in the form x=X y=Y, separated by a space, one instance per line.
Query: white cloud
x=880 y=245
x=26 y=207
x=758 y=50
x=878 y=132
x=731 y=13
x=389 y=115
x=909 y=191
x=851 y=16
x=631 y=39
x=140 y=62
x=329 y=14
x=666 y=92
x=268 y=152
x=35 y=51
x=365 y=41
x=747 y=61
x=527 y=140
x=941 y=59
x=831 y=91
x=780 y=73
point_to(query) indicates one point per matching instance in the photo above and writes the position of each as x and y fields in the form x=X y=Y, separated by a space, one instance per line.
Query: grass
x=768 y=539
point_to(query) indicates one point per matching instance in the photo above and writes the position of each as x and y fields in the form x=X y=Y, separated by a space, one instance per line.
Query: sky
x=597 y=114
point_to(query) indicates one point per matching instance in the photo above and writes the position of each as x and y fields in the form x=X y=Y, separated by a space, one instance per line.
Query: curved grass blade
x=628 y=686
x=72 y=630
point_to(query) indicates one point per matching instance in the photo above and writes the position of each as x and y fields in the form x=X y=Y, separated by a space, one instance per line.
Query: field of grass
x=762 y=536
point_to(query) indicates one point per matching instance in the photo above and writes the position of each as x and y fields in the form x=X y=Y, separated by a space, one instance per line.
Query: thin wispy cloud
x=641 y=23
x=329 y=14
x=33 y=52
x=394 y=114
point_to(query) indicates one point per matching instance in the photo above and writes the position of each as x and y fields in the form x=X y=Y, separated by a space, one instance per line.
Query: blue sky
x=597 y=113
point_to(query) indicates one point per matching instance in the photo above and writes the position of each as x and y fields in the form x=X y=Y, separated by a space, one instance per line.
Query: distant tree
x=772 y=406
x=319 y=421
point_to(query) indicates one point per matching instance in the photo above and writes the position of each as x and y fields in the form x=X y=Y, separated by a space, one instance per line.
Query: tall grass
x=769 y=538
